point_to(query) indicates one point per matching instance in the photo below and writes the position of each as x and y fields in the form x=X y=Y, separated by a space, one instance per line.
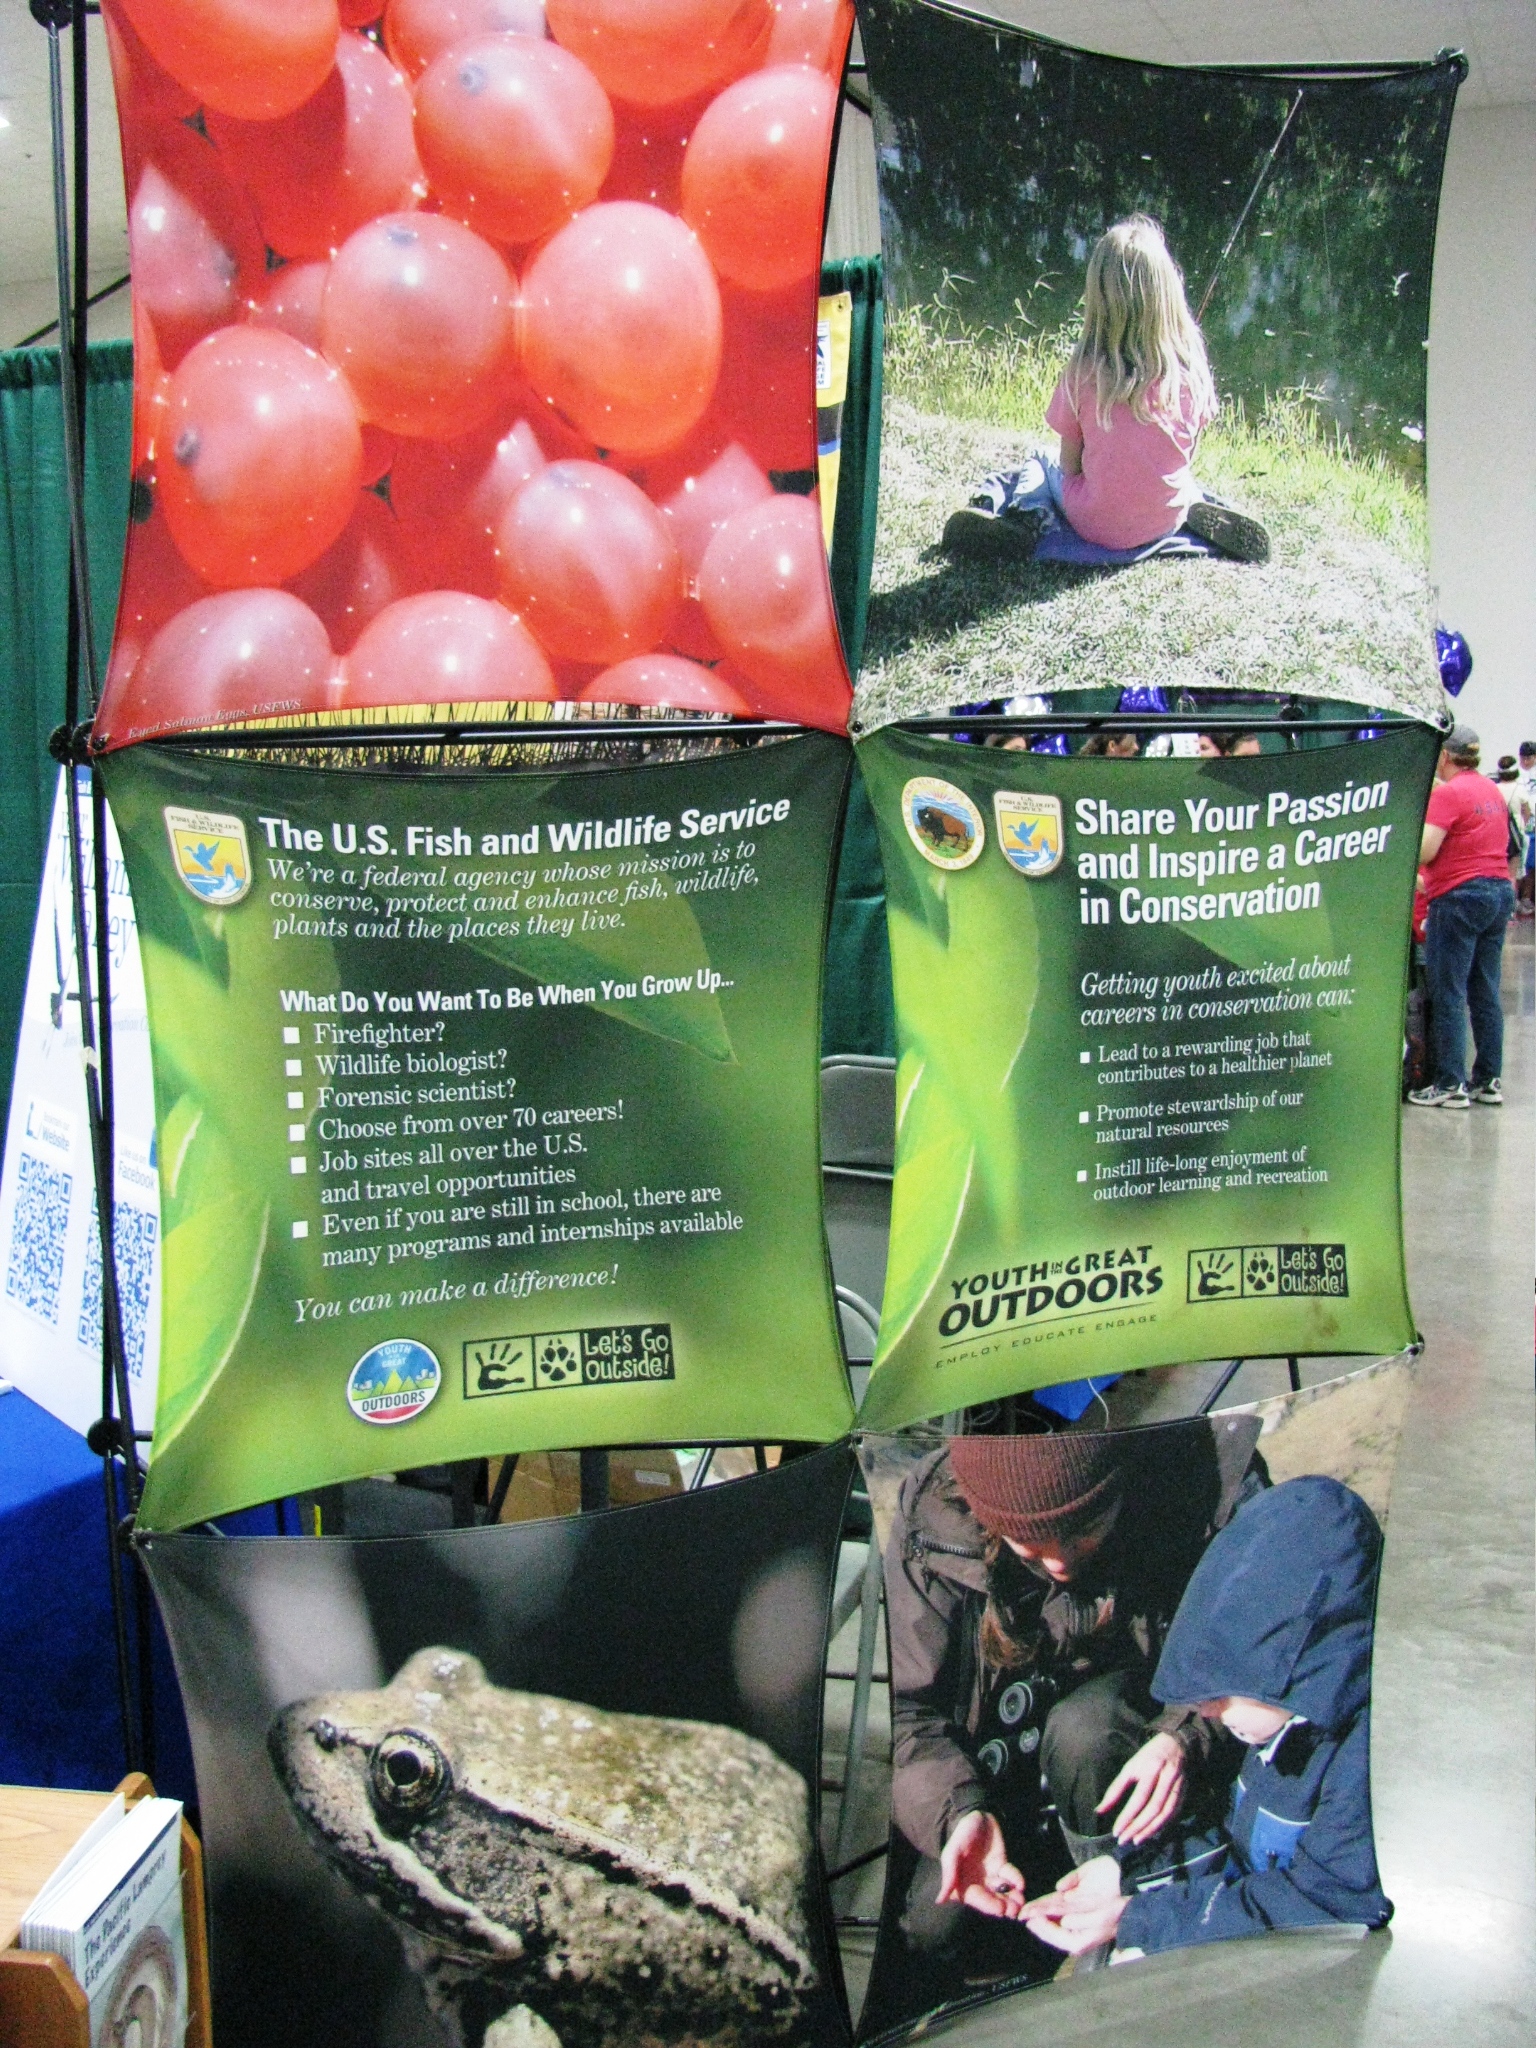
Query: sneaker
x=1436 y=1097
x=1490 y=1094
x=978 y=532
x=1233 y=533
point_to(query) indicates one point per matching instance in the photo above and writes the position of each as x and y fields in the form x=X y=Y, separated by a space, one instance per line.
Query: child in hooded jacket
x=1272 y=1639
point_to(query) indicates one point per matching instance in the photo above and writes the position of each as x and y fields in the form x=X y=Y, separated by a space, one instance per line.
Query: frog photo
x=562 y=1876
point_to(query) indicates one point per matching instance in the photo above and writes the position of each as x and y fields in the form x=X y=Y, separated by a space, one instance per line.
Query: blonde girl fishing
x=1129 y=409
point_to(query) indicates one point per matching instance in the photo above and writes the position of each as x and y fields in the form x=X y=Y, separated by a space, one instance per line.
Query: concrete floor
x=1452 y=1730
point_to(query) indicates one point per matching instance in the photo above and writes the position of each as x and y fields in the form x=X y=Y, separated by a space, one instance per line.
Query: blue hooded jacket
x=1280 y=1608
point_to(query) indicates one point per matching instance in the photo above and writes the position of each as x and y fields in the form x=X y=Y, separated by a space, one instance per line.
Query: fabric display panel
x=1150 y=1063
x=1130 y=1690
x=485 y=366
x=487 y=1110
x=474 y=357
x=50 y=1245
x=537 y=1784
x=1163 y=323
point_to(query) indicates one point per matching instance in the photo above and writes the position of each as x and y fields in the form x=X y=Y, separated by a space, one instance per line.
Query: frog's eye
x=409 y=1774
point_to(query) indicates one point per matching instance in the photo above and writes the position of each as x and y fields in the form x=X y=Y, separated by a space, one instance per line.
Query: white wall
x=1481 y=428
x=853 y=208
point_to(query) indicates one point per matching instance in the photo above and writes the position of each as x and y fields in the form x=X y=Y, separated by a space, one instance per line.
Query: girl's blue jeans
x=1036 y=487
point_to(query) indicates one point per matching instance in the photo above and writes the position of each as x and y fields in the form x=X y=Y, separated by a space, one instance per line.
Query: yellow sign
x=209 y=853
x=1029 y=830
x=834 y=331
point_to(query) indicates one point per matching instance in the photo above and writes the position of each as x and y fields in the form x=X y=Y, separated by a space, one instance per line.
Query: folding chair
x=858 y=1151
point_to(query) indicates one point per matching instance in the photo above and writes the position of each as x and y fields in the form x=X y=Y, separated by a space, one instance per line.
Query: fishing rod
x=1258 y=185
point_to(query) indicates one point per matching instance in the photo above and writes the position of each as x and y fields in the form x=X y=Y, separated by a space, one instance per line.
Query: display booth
x=578 y=659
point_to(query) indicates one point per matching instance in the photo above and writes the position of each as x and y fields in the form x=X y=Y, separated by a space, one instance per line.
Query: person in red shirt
x=1464 y=869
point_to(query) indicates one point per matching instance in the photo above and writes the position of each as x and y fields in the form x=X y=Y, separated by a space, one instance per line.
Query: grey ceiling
x=1499 y=37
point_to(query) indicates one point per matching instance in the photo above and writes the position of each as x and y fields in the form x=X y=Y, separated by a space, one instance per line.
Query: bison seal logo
x=942 y=822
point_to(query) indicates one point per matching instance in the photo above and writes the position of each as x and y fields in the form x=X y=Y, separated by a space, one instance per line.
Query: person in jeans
x=1464 y=860
x=1525 y=888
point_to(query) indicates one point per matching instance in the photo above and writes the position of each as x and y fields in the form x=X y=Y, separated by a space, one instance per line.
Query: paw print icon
x=557 y=1359
x=1260 y=1275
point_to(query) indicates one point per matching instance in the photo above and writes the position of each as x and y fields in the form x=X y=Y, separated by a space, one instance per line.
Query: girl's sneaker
x=1236 y=535
x=1435 y=1097
x=1490 y=1094
x=977 y=530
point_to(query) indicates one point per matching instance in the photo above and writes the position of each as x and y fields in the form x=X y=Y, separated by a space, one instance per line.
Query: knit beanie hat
x=1030 y=1488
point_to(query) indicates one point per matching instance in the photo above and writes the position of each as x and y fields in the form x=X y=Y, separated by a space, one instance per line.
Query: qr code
x=136 y=1234
x=35 y=1271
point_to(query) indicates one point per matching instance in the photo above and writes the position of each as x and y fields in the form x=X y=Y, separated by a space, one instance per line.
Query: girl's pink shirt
x=1136 y=482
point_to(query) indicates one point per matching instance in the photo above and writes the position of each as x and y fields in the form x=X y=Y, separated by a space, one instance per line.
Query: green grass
x=936 y=362
x=1343 y=607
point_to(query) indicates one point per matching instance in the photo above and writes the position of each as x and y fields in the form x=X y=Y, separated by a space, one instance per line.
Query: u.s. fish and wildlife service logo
x=942 y=822
x=209 y=853
x=393 y=1382
x=1029 y=830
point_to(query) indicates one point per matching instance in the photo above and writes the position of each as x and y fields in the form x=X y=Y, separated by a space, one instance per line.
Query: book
x=112 y=1910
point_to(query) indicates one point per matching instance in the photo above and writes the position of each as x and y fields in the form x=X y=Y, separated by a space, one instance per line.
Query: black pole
x=504 y=1478
x=594 y=1481
x=113 y=1345
x=462 y=1474
x=465 y=732
x=1223 y=716
x=113 y=1438
x=128 y=1720
x=79 y=85
x=53 y=16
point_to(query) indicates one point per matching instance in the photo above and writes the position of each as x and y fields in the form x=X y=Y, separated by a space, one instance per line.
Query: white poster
x=50 y=1246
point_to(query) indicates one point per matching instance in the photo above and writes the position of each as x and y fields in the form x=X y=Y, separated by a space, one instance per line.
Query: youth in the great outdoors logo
x=393 y=1382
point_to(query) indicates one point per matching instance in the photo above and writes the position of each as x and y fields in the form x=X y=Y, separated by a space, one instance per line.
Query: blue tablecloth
x=1070 y=1398
x=59 y=1721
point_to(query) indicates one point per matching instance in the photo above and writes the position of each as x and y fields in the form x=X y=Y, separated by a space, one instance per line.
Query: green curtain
x=857 y=1015
x=853 y=533
x=857 y=1011
x=34 y=597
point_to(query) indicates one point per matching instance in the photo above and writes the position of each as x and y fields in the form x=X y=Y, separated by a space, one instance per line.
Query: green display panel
x=487 y=1110
x=1150 y=1033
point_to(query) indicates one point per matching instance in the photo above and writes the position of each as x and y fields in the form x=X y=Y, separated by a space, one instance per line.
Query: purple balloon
x=1455 y=659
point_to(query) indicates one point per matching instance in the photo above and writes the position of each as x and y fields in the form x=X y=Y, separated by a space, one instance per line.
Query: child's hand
x=1154 y=1777
x=1083 y=1911
x=974 y=1870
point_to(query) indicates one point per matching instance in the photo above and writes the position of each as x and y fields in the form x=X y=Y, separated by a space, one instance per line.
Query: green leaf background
x=986 y=966
x=723 y=1089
